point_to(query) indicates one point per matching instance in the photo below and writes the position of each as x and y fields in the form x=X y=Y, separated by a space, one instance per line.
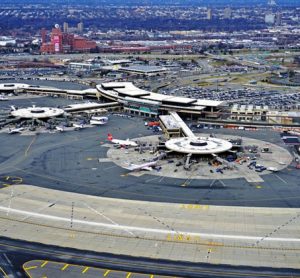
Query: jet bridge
x=184 y=128
x=173 y=126
x=189 y=143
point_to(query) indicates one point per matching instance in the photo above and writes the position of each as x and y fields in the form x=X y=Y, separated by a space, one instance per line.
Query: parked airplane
x=294 y=132
x=15 y=130
x=78 y=126
x=3 y=98
x=98 y=120
x=121 y=142
x=272 y=169
x=60 y=128
x=145 y=166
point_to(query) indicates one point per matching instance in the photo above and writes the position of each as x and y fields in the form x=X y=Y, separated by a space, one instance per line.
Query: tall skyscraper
x=80 y=27
x=66 y=27
x=209 y=14
x=227 y=13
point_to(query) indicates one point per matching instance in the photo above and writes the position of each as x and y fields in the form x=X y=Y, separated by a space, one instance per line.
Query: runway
x=179 y=232
x=133 y=230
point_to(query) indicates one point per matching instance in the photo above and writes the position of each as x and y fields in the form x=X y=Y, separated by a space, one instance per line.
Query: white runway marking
x=145 y=230
x=160 y=180
x=222 y=183
x=281 y=179
x=10 y=199
x=8 y=260
x=152 y=179
x=114 y=166
x=41 y=209
x=107 y=218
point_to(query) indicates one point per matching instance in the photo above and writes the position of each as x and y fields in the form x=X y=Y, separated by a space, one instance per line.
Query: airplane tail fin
x=109 y=137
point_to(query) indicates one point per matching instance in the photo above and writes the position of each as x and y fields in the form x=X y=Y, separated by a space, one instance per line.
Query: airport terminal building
x=131 y=99
x=144 y=103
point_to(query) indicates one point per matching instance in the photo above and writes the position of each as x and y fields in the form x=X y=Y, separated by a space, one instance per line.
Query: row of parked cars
x=272 y=98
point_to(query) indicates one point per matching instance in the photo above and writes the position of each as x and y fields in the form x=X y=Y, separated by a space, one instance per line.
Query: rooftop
x=37 y=112
x=169 y=122
x=143 y=69
x=208 y=102
x=183 y=100
x=129 y=89
x=198 y=145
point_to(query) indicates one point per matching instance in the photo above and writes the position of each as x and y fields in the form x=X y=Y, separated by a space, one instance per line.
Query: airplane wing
x=147 y=168
x=134 y=167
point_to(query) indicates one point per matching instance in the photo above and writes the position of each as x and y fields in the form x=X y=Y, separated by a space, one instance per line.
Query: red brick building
x=64 y=42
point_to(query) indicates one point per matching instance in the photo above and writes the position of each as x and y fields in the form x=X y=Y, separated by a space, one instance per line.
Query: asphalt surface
x=45 y=268
x=69 y=161
x=16 y=253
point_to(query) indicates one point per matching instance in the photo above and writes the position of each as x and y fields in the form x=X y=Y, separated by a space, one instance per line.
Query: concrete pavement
x=181 y=232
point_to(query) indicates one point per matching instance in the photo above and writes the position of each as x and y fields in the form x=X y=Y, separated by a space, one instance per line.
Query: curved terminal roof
x=143 y=69
x=86 y=105
x=37 y=112
x=118 y=91
x=127 y=89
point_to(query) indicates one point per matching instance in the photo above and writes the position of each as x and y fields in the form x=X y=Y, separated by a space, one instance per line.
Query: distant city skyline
x=157 y=2
x=111 y=15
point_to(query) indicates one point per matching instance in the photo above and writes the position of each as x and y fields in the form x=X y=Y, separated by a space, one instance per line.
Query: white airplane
x=121 y=142
x=78 y=126
x=60 y=128
x=3 y=98
x=145 y=166
x=294 y=132
x=15 y=130
x=98 y=120
x=272 y=169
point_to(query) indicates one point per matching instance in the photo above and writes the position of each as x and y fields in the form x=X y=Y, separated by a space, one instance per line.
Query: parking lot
x=275 y=99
